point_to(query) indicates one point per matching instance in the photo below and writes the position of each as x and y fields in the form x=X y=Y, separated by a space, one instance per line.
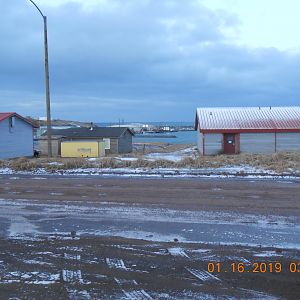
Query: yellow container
x=81 y=149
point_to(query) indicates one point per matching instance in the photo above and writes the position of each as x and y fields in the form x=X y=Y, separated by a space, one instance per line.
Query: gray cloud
x=135 y=59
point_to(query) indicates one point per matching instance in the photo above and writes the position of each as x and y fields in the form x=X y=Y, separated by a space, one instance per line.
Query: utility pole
x=48 y=109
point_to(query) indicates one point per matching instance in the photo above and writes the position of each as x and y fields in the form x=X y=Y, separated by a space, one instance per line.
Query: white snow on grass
x=172 y=156
x=127 y=158
x=55 y=163
x=244 y=171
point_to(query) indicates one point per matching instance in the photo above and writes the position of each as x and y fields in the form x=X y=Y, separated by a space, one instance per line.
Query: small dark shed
x=117 y=139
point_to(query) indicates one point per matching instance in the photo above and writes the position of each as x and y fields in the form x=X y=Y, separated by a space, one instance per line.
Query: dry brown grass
x=23 y=164
x=278 y=162
x=157 y=147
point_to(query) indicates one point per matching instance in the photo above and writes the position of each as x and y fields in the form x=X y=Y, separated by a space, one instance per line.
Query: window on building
x=12 y=123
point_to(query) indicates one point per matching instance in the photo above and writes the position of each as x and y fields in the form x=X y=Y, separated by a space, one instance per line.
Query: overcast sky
x=148 y=60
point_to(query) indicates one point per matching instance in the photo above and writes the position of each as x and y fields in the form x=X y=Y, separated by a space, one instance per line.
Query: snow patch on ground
x=36 y=262
x=127 y=158
x=55 y=163
x=203 y=275
x=177 y=252
x=137 y=295
x=172 y=156
x=72 y=276
x=30 y=278
x=267 y=254
x=20 y=225
x=116 y=263
x=72 y=256
x=220 y=172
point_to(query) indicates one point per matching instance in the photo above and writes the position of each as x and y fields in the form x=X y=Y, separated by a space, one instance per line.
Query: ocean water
x=182 y=137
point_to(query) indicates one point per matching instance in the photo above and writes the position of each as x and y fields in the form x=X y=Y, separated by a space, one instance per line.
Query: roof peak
x=247 y=107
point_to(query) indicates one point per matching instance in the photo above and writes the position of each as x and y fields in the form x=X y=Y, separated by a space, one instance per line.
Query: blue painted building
x=16 y=136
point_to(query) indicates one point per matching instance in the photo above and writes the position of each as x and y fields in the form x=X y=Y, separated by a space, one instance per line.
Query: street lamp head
x=37 y=8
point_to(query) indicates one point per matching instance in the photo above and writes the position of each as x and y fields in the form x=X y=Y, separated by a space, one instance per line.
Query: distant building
x=117 y=140
x=232 y=130
x=136 y=127
x=16 y=134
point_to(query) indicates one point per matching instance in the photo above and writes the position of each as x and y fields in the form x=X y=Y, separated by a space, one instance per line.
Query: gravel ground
x=72 y=265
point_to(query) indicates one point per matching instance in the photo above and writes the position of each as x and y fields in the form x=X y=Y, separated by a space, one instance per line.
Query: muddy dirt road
x=112 y=238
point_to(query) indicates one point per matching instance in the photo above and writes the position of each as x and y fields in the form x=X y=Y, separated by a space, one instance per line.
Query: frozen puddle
x=137 y=295
x=177 y=252
x=203 y=275
x=27 y=217
x=116 y=263
x=20 y=225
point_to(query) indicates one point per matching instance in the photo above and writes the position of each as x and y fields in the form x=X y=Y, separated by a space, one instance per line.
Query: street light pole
x=47 y=82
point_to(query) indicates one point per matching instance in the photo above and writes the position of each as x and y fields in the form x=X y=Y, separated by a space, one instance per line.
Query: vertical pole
x=203 y=144
x=47 y=89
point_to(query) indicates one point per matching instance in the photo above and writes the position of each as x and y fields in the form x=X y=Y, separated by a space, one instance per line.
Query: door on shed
x=230 y=140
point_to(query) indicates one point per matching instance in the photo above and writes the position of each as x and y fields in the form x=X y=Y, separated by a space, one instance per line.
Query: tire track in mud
x=137 y=295
x=203 y=275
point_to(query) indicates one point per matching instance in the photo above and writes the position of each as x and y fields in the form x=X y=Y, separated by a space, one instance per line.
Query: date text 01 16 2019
x=255 y=267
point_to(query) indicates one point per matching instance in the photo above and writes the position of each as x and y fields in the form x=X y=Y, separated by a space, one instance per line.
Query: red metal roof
x=6 y=115
x=248 y=119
